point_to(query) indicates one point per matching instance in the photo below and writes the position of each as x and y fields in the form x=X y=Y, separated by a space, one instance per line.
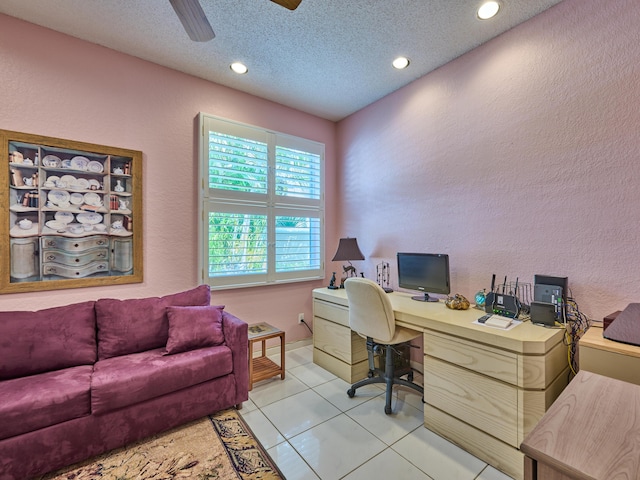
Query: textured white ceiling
x=329 y=57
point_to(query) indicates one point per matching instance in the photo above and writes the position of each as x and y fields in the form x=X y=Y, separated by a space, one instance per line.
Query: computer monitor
x=426 y=272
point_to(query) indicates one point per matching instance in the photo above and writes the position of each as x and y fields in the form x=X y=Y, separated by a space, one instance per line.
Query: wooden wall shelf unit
x=74 y=214
x=485 y=388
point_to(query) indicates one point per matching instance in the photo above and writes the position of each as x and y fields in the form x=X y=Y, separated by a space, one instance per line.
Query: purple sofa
x=82 y=379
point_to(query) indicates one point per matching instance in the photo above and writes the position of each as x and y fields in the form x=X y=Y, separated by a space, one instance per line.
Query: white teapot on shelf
x=25 y=224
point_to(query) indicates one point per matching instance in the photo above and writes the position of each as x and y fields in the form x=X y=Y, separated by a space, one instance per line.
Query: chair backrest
x=370 y=310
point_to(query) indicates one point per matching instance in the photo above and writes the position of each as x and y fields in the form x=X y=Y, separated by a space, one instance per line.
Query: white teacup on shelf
x=117 y=225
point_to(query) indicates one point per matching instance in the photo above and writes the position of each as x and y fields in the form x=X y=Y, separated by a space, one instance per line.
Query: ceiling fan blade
x=193 y=20
x=290 y=4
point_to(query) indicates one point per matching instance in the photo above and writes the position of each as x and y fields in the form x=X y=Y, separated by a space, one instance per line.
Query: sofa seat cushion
x=121 y=381
x=140 y=324
x=47 y=340
x=37 y=401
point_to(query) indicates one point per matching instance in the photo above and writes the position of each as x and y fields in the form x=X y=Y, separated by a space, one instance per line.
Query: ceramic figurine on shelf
x=118 y=187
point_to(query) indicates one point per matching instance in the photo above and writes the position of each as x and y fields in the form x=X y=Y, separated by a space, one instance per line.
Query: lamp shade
x=348 y=250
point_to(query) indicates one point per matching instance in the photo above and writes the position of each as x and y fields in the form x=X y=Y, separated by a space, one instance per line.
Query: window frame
x=211 y=199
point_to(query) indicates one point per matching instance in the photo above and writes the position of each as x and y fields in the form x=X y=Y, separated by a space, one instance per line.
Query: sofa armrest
x=236 y=337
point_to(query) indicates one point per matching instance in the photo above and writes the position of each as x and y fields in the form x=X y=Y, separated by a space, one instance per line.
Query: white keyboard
x=498 y=321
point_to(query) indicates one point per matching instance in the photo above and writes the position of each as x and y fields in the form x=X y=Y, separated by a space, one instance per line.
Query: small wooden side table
x=261 y=367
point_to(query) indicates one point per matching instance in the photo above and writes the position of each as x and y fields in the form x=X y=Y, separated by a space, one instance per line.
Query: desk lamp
x=348 y=250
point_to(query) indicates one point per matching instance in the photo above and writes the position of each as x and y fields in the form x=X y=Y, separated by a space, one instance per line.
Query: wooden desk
x=590 y=432
x=609 y=358
x=485 y=388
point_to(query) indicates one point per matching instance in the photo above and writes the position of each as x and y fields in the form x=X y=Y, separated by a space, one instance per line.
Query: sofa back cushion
x=136 y=325
x=47 y=340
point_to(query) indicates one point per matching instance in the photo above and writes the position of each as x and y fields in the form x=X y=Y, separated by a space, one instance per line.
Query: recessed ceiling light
x=400 y=63
x=488 y=10
x=239 y=68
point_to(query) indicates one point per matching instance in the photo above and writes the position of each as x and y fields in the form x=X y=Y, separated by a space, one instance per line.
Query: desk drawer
x=495 y=363
x=331 y=311
x=338 y=341
x=480 y=401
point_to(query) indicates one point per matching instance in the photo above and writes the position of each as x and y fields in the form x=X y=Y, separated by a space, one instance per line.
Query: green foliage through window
x=237 y=244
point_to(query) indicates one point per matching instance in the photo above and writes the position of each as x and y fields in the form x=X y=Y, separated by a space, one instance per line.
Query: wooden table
x=261 y=367
x=609 y=358
x=590 y=432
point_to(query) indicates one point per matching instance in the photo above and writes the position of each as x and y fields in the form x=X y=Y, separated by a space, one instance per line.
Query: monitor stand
x=425 y=298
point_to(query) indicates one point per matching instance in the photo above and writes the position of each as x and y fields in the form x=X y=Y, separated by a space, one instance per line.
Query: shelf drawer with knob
x=74 y=244
x=74 y=272
x=75 y=259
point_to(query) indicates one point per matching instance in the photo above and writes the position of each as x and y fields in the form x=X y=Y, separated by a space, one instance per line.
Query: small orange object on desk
x=261 y=367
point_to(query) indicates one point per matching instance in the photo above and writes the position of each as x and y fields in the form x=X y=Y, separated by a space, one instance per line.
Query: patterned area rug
x=220 y=446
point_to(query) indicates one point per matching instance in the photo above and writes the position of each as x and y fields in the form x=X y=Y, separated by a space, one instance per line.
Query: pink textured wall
x=58 y=86
x=520 y=157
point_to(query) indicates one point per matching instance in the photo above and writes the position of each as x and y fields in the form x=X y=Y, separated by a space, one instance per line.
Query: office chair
x=371 y=316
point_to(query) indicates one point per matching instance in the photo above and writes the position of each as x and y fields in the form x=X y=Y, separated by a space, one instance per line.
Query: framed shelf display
x=74 y=214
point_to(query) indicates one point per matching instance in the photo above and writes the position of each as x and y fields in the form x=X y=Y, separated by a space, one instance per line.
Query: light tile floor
x=313 y=430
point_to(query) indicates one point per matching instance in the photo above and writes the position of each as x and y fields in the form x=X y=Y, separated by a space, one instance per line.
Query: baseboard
x=275 y=350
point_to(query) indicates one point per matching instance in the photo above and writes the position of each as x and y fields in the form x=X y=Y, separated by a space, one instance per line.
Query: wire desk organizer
x=524 y=293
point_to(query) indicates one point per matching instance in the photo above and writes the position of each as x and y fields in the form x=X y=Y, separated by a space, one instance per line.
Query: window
x=262 y=206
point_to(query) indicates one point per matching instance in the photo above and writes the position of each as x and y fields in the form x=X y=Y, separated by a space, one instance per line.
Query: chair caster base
x=351 y=392
x=387 y=410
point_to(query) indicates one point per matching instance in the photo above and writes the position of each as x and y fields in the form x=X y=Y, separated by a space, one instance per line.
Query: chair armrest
x=236 y=337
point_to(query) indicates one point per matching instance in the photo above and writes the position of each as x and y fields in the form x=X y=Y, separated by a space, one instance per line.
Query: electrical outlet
x=301 y=318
